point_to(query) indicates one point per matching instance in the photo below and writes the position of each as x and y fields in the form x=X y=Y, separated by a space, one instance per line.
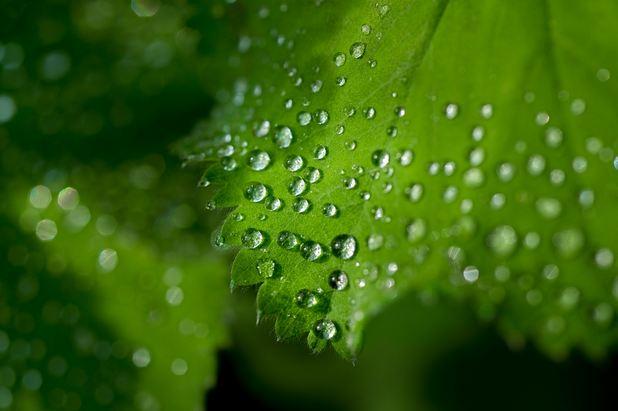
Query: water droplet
x=451 y=111
x=380 y=158
x=283 y=137
x=108 y=259
x=568 y=242
x=506 y=172
x=256 y=192
x=320 y=152
x=370 y=113
x=258 y=160
x=288 y=240
x=553 y=137
x=316 y=86
x=274 y=204
x=536 y=164
x=375 y=242
x=313 y=175
x=253 y=238
x=406 y=157
x=474 y=177
x=68 y=198
x=301 y=205
x=415 y=192
x=40 y=197
x=487 y=111
x=325 y=329
x=471 y=274
x=303 y=118
x=548 y=207
x=294 y=163
x=330 y=210
x=416 y=230
x=503 y=240
x=344 y=246
x=339 y=59
x=366 y=29
x=46 y=230
x=266 y=267
x=321 y=116
x=297 y=186
x=262 y=128
x=306 y=298
x=604 y=258
x=312 y=251
x=350 y=183
x=357 y=50
x=338 y=280
x=603 y=75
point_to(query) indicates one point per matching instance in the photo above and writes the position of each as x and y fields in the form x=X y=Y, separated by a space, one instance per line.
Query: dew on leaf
x=46 y=230
x=288 y=240
x=325 y=329
x=451 y=111
x=253 y=238
x=313 y=175
x=568 y=242
x=604 y=258
x=549 y=208
x=416 y=230
x=502 y=240
x=338 y=280
x=536 y=164
x=312 y=251
x=298 y=186
x=258 y=160
x=40 y=197
x=266 y=267
x=306 y=298
x=370 y=113
x=320 y=152
x=303 y=118
x=473 y=177
x=471 y=274
x=344 y=246
x=380 y=158
x=274 y=204
x=415 y=192
x=330 y=210
x=375 y=242
x=321 y=116
x=487 y=111
x=262 y=128
x=294 y=163
x=301 y=205
x=357 y=50
x=283 y=137
x=256 y=192
x=339 y=59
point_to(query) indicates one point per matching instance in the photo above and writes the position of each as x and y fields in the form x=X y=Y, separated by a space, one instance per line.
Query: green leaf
x=123 y=296
x=454 y=147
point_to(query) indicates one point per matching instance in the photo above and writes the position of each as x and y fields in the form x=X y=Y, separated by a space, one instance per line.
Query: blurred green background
x=111 y=296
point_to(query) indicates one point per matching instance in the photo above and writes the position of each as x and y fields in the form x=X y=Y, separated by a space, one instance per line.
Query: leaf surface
x=454 y=147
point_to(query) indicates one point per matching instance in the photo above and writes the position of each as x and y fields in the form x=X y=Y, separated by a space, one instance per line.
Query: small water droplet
x=253 y=238
x=256 y=192
x=325 y=329
x=338 y=280
x=258 y=160
x=344 y=246
x=357 y=50
x=451 y=111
